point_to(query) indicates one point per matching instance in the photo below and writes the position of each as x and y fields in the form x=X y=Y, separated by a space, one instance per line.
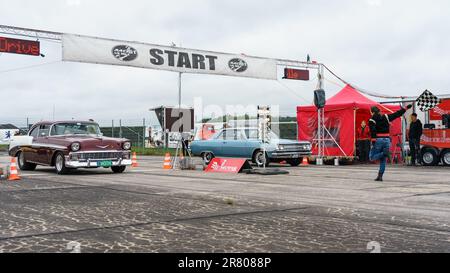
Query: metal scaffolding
x=32 y=33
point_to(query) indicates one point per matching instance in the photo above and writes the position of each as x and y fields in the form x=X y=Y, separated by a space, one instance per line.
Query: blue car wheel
x=258 y=158
x=207 y=157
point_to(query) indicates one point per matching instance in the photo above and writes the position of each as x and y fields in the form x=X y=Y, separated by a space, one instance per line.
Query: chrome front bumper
x=74 y=160
x=284 y=155
x=95 y=164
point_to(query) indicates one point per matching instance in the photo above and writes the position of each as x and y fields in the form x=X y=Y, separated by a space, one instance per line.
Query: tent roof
x=350 y=95
x=350 y=98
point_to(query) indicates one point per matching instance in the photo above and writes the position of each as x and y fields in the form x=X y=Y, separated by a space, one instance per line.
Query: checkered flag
x=427 y=101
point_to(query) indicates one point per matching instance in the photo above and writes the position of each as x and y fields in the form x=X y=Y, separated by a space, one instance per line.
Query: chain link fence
x=140 y=131
x=133 y=129
x=136 y=130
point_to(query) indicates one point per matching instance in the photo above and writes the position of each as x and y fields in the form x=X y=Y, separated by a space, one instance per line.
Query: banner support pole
x=320 y=120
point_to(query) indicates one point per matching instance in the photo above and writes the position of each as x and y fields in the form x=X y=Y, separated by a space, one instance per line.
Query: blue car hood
x=287 y=141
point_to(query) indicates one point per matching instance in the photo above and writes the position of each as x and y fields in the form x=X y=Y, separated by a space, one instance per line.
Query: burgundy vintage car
x=68 y=145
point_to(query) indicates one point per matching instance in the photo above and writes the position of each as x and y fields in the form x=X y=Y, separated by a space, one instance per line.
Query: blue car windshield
x=253 y=134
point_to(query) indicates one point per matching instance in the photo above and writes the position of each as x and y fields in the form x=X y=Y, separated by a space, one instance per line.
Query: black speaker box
x=319 y=98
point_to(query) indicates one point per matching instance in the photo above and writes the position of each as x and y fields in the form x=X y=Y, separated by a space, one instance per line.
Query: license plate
x=107 y=163
x=295 y=156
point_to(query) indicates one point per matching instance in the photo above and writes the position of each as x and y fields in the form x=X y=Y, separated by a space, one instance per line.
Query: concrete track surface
x=148 y=209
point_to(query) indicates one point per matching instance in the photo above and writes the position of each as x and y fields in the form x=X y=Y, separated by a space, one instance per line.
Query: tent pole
x=354 y=132
x=404 y=127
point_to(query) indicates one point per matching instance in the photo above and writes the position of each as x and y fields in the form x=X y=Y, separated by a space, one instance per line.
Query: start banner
x=78 y=48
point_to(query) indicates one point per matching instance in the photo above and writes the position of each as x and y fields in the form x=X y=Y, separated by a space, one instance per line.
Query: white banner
x=86 y=49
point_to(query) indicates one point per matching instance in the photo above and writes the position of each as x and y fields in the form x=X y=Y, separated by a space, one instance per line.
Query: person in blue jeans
x=381 y=139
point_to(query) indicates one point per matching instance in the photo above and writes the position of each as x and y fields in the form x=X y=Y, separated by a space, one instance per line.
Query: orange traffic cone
x=13 y=174
x=305 y=161
x=166 y=165
x=134 y=160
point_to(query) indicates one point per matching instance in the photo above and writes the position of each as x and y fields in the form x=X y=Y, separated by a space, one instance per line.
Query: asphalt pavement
x=148 y=209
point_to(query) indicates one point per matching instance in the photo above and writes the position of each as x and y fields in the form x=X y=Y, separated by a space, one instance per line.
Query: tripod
x=183 y=148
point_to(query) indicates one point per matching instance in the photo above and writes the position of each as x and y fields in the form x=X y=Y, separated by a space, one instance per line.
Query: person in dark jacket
x=380 y=135
x=415 y=133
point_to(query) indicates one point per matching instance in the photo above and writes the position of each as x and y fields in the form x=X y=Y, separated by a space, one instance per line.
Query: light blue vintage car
x=244 y=143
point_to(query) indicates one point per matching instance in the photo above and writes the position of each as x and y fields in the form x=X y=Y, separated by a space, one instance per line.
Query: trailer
x=435 y=141
x=435 y=147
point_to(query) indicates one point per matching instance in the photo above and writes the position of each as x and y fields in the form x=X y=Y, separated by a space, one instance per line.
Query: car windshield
x=78 y=128
x=253 y=134
x=216 y=134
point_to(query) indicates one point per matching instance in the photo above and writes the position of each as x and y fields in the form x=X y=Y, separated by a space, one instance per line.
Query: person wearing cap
x=380 y=136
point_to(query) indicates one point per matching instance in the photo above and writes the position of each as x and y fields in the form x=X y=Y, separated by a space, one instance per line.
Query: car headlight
x=280 y=147
x=75 y=147
x=75 y=157
x=126 y=145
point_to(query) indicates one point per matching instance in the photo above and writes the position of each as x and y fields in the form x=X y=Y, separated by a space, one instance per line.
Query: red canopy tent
x=344 y=113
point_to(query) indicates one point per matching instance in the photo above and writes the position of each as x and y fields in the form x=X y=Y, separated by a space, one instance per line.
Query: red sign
x=17 y=46
x=441 y=109
x=436 y=138
x=296 y=74
x=227 y=165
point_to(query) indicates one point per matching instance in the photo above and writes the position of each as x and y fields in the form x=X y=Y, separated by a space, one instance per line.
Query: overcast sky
x=393 y=47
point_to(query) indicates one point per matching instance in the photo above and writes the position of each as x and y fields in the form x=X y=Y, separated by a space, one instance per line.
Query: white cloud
x=375 y=3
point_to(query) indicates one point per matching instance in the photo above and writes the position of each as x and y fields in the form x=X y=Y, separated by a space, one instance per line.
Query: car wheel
x=207 y=157
x=429 y=157
x=445 y=157
x=60 y=164
x=23 y=164
x=258 y=158
x=118 y=169
x=295 y=162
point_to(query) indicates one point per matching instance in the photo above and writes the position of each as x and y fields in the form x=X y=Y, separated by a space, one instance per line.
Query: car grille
x=295 y=147
x=102 y=155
